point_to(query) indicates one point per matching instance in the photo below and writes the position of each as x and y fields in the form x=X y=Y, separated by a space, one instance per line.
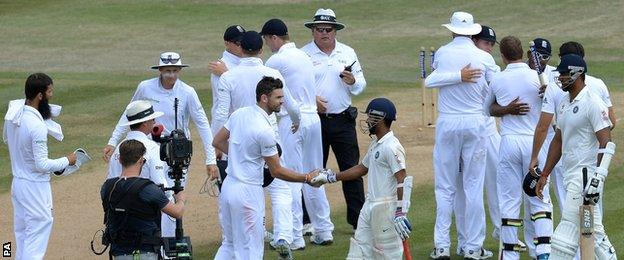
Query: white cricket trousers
x=491 y=163
x=375 y=236
x=281 y=208
x=515 y=157
x=303 y=152
x=460 y=138
x=241 y=215
x=32 y=217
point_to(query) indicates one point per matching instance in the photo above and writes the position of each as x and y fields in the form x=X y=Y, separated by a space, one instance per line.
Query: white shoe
x=479 y=254
x=283 y=249
x=268 y=236
x=308 y=229
x=440 y=254
x=314 y=239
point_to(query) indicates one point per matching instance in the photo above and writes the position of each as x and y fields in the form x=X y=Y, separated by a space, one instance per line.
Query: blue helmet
x=572 y=63
x=382 y=107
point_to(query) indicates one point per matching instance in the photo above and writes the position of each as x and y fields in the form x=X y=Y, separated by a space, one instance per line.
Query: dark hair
x=511 y=48
x=36 y=83
x=267 y=85
x=136 y=126
x=130 y=151
x=572 y=47
x=251 y=53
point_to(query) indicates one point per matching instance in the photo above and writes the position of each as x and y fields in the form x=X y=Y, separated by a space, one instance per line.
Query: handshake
x=324 y=176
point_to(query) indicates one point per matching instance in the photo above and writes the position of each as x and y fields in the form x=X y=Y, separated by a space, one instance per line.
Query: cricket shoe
x=479 y=254
x=308 y=229
x=268 y=236
x=544 y=256
x=440 y=254
x=283 y=249
x=314 y=239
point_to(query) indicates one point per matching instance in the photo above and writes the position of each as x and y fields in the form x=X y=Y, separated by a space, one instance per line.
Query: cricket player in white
x=518 y=81
x=249 y=140
x=237 y=90
x=26 y=128
x=384 y=209
x=162 y=91
x=485 y=40
x=141 y=119
x=303 y=149
x=583 y=131
x=460 y=139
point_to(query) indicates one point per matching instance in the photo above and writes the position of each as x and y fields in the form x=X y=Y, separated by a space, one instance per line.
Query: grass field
x=97 y=52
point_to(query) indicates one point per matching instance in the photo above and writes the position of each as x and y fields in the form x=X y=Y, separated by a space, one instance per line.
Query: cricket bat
x=586 y=213
x=406 y=250
x=540 y=73
x=423 y=75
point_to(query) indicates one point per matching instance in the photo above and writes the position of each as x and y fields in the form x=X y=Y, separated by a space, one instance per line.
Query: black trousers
x=338 y=132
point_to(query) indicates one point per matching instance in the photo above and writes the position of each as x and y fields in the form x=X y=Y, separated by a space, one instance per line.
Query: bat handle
x=406 y=250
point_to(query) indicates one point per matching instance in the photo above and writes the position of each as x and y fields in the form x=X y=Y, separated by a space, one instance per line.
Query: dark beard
x=44 y=109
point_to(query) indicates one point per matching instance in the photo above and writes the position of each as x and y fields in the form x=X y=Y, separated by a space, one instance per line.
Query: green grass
x=98 y=51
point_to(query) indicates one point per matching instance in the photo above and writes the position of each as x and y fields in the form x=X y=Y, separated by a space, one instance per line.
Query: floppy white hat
x=140 y=111
x=169 y=59
x=462 y=23
x=325 y=16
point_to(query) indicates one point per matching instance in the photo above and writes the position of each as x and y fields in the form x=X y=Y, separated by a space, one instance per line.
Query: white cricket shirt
x=384 y=158
x=251 y=139
x=517 y=81
x=153 y=169
x=26 y=134
x=231 y=61
x=189 y=108
x=327 y=69
x=579 y=120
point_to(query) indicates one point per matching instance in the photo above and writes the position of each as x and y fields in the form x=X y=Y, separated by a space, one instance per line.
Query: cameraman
x=132 y=207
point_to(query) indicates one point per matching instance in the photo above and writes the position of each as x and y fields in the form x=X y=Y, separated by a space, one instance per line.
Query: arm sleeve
x=120 y=130
x=598 y=116
x=114 y=166
x=395 y=157
x=604 y=93
x=549 y=100
x=156 y=167
x=222 y=110
x=358 y=74
x=40 y=152
x=154 y=195
x=440 y=79
x=268 y=145
x=198 y=115
x=292 y=106
x=490 y=68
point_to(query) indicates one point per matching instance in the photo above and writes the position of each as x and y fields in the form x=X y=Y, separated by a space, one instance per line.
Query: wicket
x=429 y=95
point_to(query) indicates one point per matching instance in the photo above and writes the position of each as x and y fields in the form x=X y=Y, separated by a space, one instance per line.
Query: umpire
x=132 y=207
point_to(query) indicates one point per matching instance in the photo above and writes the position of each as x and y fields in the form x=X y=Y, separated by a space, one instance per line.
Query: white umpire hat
x=462 y=23
x=140 y=111
x=169 y=59
x=325 y=16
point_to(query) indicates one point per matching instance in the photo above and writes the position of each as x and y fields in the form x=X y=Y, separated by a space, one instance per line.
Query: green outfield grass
x=98 y=51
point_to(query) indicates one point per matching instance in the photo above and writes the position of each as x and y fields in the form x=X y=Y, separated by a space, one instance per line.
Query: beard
x=44 y=109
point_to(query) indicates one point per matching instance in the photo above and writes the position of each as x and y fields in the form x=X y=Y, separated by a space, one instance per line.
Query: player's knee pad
x=385 y=238
x=355 y=250
x=565 y=241
x=604 y=249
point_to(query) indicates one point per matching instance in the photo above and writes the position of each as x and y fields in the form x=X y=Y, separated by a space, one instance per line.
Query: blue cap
x=383 y=105
x=251 y=41
x=571 y=63
x=542 y=46
x=274 y=27
x=486 y=34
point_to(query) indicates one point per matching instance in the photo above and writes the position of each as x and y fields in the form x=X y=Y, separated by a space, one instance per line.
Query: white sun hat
x=325 y=16
x=169 y=59
x=140 y=111
x=462 y=23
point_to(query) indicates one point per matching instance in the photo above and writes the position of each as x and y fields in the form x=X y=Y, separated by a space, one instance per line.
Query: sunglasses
x=324 y=29
x=169 y=60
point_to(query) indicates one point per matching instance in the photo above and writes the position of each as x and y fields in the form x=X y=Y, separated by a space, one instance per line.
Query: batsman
x=583 y=141
x=382 y=223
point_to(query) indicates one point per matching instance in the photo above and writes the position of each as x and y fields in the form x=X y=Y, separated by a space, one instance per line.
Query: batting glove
x=401 y=224
x=324 y=176
x=594 y=186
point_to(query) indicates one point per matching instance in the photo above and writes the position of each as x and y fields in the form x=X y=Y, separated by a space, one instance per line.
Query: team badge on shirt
x=575 y=109
x=377 y=155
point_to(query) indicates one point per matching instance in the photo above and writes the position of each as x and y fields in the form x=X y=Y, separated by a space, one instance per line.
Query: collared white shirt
x=237 y=89
x=153 y=169
x=27 y=138
x=384 y=158
x=296 y=68
x=463 y=97
x=517 y=81
x=189 y=108
x=327 y=69
x=579 y=120
x=251 y=139
x=231 y=61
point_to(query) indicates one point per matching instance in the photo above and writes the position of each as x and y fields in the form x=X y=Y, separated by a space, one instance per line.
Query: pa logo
x=6 y=249
x=575 y=109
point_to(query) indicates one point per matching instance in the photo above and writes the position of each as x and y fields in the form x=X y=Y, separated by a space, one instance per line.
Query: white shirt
x=579 y=120
x=237 y=89
x=189 y=108
x=462 y=98
x=296 y=68
x=517 y=81
x=231 y=61
x=327 y=69
x=248 y=146
x=26 y=134
x=153 y=169
x=384 y=158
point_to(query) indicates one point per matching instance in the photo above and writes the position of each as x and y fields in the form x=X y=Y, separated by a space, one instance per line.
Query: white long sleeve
x=40 y=153
x=441 y=79
x=198 y=115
